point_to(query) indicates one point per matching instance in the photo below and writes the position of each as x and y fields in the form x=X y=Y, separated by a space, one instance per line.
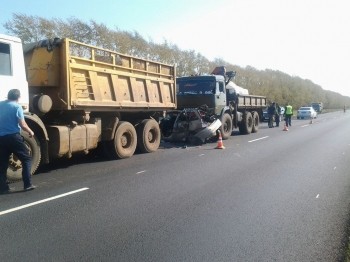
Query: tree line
x=275 y=85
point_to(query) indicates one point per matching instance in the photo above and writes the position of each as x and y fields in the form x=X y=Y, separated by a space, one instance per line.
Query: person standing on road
x=271 y=110
x=277 y=115
x=288 y=115
x=11 y=122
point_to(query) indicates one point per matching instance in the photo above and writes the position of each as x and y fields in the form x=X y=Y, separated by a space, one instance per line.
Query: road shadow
x=97 y=155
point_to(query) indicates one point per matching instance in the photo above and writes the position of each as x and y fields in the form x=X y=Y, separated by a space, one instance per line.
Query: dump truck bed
x=251 y=102
x=83 y=77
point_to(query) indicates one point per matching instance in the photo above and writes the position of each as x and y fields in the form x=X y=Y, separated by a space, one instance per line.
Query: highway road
x=270 y=196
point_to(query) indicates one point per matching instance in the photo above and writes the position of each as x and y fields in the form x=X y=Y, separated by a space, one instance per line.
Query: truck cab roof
x=8 y=38
x=201 y=77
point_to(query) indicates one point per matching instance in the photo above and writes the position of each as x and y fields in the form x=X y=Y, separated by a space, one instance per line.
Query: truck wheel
x=124 y=143
x=255 y=127
x=247 y=124
x=148 y=136
x=226 y=126
x=14 y=172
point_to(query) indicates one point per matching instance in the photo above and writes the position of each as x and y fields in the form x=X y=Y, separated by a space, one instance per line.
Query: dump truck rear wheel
x=256 y=120
x=148 y=136
x=14 y=171
x=226 y=126
x=124 y=143
x=247 y=124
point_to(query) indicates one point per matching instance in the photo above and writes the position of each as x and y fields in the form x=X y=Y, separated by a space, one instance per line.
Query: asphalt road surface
x=270 y=196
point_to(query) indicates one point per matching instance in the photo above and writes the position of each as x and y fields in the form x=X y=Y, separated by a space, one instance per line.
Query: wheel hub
x=150 y=136
x=124 y=140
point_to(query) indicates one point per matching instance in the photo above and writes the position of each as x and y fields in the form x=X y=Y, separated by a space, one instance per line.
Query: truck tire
x=256 y=120
x=124 y=143
x=148 y=136
x=247 y=123
x=14 y=172
x=226 y=126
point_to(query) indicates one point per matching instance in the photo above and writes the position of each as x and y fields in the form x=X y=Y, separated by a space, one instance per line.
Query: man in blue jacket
x=11 y=122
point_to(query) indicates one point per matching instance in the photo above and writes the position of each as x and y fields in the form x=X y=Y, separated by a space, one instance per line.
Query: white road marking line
x=42 y=201
x=318 y=195
x=304 y=125
x=335 y=168
x=201 y=155
x=258 y=139
x=140 y=172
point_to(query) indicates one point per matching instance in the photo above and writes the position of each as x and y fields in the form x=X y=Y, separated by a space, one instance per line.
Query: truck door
x=12 y=72
x=220 y=97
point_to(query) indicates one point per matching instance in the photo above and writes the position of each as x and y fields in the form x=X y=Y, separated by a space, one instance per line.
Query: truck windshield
x=197 y=87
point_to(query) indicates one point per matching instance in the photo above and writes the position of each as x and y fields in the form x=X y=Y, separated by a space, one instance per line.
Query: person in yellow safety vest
x=288 y=115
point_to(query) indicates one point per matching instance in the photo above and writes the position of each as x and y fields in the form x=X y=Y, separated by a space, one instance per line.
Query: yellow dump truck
x=79 y=97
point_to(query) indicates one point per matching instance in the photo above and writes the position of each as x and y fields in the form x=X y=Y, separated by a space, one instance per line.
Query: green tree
x=275 y=85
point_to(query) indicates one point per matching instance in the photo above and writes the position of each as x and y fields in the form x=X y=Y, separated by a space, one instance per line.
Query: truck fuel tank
x=65 y=140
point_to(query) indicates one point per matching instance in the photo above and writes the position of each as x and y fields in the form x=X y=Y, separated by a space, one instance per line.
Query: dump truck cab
x=12 y=72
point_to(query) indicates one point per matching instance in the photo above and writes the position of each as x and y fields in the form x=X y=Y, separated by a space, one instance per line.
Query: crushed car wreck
x=207 y=103
x=192 y=125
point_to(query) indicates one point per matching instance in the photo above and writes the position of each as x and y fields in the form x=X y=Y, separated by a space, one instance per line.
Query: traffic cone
x=220 y=144
x=285 y=128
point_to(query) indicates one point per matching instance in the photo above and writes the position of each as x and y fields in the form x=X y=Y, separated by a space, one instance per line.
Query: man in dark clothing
x=11 y=123
x=277 y=115
x=271 y=110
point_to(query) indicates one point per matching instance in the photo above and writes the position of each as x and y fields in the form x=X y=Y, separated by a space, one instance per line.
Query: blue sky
x=307 y=38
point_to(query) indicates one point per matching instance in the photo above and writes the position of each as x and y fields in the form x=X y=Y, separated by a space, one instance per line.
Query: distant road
x=271 y=196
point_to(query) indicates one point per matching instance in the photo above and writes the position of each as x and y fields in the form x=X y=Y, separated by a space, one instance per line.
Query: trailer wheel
x=14 y=171
x=255 y=127
x=247 y=124
x=124 y=143
x=226 y=126
x=148 y=136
